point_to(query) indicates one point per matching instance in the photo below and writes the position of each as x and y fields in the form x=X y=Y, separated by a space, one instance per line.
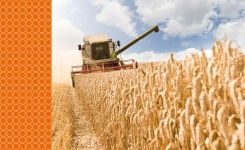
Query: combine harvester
x=99 y=54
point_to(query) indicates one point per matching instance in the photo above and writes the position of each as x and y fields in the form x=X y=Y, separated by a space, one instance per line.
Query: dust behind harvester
x=100 y=54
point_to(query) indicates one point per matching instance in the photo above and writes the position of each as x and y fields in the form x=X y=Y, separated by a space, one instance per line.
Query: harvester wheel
x=135 y=65
x=73 y=82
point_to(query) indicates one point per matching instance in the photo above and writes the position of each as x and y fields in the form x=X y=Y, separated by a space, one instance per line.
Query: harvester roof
x=95 y=38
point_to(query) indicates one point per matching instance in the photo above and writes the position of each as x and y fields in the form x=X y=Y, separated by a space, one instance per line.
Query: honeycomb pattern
x=25 y=74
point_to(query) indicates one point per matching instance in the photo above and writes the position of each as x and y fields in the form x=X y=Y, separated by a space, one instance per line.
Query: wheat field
x=62 y=117
x=196 y=103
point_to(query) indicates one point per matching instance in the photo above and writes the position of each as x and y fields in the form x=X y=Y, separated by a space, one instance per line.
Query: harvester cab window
x=100 y=51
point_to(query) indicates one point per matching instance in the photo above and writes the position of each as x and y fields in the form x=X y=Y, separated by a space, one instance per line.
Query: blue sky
x=185 y=26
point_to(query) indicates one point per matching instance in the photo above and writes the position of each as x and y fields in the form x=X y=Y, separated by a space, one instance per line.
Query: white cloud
x=65 y=54
x=234 y=30
x=181 y=18
x=150 y=56
x=186 y=43
x=61 y=3
x=74 y=9
x=113 y=13
x=65 y=35
x=230 y=8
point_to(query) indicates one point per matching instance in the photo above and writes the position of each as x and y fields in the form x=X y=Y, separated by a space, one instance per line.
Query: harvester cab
x=98 y=48
x=100 y=54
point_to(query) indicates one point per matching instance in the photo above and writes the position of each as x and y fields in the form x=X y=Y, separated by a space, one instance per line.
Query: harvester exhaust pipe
x=155 y=28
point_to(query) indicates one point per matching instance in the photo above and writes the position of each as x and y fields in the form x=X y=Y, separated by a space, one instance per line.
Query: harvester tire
x=72 y=80
x=135 y=65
